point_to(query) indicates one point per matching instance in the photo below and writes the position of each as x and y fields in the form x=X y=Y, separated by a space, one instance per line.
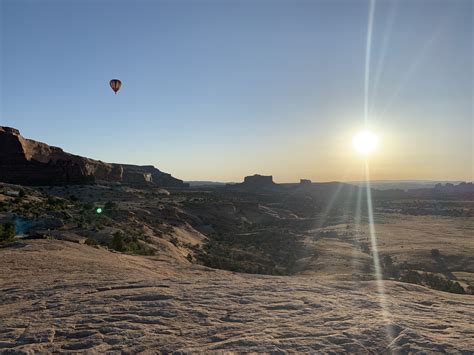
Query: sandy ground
x=61 y=296
x=405 y=238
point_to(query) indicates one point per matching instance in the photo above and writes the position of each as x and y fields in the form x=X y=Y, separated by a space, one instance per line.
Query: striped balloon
x=115 y=84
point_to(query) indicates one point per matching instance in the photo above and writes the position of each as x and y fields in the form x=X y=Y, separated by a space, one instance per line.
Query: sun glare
x=365 y=142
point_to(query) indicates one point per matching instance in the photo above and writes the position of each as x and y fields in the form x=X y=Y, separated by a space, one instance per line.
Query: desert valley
x=115 y=257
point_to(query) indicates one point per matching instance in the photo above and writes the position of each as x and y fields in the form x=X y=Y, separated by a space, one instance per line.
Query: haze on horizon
x=219 y=90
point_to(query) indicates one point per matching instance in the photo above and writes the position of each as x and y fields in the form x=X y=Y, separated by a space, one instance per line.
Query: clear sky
x=216 y=90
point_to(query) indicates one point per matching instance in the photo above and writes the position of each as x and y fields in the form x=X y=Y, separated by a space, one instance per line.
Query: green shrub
x=7 y=232
x=411 y=276
x=364 y=247
x=91 y=242
x=110 y=205
x=433 y=281
x=389 y=269
x=118 y=242
x=129 y=244
x=3 y=206
x=88 y=206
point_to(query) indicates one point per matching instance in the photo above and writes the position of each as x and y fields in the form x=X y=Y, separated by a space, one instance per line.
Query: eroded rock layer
x=28 y=162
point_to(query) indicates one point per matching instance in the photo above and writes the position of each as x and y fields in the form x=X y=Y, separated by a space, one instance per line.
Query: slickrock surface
x=61 y=296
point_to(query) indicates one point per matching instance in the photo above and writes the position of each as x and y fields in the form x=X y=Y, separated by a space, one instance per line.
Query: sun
x=365 y=142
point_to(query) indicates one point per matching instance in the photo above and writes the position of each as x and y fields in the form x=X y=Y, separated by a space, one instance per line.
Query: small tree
x=88 y=206
x=389 y=269
x=117 y=242
x=110 y=205
x=411 y=276
x=7 y=232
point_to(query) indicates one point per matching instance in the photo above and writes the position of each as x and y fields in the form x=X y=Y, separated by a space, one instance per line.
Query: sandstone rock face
x=149 y=174
x=28 y=162
x=136 y=177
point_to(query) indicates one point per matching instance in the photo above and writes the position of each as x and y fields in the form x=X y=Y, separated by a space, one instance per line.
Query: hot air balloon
x=115 y=84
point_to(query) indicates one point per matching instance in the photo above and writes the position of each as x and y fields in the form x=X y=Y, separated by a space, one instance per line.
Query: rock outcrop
x=255 y=182
x=258 y=181
x=149 y=174
x=28 y=162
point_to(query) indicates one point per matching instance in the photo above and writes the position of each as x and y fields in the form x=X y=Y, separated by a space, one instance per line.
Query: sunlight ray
x=382 y=55
x=357 y=228
x=373 y=238
x=375 y=256
x=322 y=218
x=368 y=49
x=345 y=213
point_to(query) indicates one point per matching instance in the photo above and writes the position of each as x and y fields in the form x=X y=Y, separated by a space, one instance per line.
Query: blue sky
x=218 y=90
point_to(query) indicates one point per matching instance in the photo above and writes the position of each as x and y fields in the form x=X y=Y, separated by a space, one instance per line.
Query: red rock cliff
x=28 y=162
x=25 y=161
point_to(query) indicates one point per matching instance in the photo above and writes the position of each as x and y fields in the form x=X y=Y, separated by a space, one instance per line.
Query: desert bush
x=433 y=281
x=53 y=201
x=435 y=253
x=80 y=221
x=110 y=205
x=389 y=269
x=56 y=203
x=7 y=232
x=442 y=284
x=411 y=276
x=91 y=242
x=174 y=241
x=364 y=247
x=118 y=242
x=88 y=206
x=129 y=244
x=3 y=206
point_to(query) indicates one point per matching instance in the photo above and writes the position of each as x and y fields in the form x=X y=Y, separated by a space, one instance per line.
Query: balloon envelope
x=115 y=84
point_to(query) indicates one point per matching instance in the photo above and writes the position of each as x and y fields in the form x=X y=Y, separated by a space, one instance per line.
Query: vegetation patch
x=7 y=232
